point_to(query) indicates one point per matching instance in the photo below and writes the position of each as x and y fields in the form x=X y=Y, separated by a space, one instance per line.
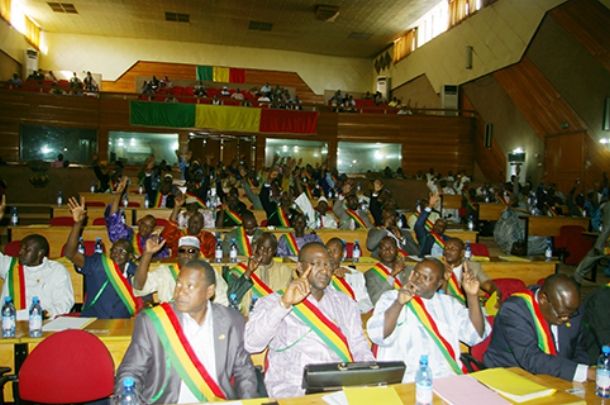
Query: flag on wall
x=162 y=114
x=245 y=119
x=237 y=75
x=221 y=74
x=205 y=73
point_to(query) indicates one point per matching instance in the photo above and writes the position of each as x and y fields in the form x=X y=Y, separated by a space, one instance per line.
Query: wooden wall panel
x=596 y=162
x=284 y=79
x=492 y=161
x=564 y=159
x=588 y=21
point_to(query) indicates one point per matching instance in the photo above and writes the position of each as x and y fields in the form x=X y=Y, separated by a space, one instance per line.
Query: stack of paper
x=465 y=390
x=512 y=386
x=66 y=322
x=363 y=396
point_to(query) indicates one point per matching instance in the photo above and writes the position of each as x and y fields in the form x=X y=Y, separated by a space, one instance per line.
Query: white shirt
x=328 y=221
x=410 y=340
x=201 y=339
x=49 y=281
x=208 y=219
x=356 y=280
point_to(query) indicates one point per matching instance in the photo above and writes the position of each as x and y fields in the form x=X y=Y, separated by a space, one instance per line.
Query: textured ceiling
x=225 y=22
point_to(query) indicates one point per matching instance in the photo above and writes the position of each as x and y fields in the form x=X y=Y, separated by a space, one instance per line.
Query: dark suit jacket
x=145 y=359
x=596 y=322
x=375 y=286
x=514 y=342
x=426 y=241
x=375 y=235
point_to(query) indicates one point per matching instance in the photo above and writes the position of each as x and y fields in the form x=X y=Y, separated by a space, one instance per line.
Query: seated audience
x=290 y=244
x=245 y=235
x=15 y=80
x=190 y=350
x=225 y=91
x=431 y=242
x=282 y=323
x=352 y=217
x=404 y=241
x=233 y=211
x=90 y=83
x=416 y=320
x=390 y=273
x=238 y=95
x=59 y=163
x=281 y=214
x=540 y=330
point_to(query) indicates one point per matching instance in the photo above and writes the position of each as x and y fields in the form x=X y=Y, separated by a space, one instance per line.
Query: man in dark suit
x=404 y=240
x=556 y=346
x=214 y=335
x=382 y=277
x=431 y=242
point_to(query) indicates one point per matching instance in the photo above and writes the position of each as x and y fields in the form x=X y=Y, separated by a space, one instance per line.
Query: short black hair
x=40 y=241
x=205 y=267
x=247 y=215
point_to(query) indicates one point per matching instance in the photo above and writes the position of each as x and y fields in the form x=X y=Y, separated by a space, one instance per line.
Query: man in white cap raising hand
x=162 y=280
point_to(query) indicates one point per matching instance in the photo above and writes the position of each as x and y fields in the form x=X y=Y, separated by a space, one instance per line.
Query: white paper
x=336 y=398
x=23 y=315
x=66 y=322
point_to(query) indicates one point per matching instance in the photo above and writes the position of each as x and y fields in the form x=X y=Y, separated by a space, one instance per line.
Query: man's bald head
x=559 y=298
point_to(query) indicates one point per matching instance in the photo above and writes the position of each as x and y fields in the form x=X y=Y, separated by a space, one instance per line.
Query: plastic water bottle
x=344 y=250
x=35 y=318
x=470 y=224
x=80 y=247
x=233 y=302
x=423 y=382
x=127 y=395
x=140 y=189
x=60 y=199
x=146 y=202
x=356 y=251
x=602 y=374
x=14 y=217
x=363 y=205
x=218 y=253
x=233 y=251
x=399 y=223
x=548 y=253
x=418 y=206
x=8 y=318
x=125 y=200
x=358 y=188
x=98 y=246
x=252 y=304
x=467 y=251
x=123 y=218
x=92 y=188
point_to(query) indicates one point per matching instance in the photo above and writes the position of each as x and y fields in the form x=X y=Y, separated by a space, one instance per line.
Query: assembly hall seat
x=12 y=248
x=99 y=221
x=61 y=221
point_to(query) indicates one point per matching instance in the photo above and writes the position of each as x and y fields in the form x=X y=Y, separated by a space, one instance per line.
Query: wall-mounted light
x=469 y=57
x=518 y=150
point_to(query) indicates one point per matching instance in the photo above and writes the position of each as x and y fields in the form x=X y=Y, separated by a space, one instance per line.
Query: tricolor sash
x=551 y=210
x=136 y=244
x=319 y=220
x=200 y=202
x=291 y=242
x=469 y=201
x=119 y=282
x=283 y=217
x=244 y=243
x=250 y=182
x=580 y=209
x=308 y=192
x=16 y=284
x=259 y=287
x=158 y=200
x=357 y=219
x=383 y=273
x=174 y=269
x=428 y=225
x=325 y=328
x=455 y=290
x=233 y=215
x=545 y=339
x=416 y=306
x=341 y=284
x=182 y=356
x=502 y=200
x=437 y=239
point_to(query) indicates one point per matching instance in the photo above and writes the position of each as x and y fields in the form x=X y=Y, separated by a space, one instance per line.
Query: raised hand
x=298 y=289
x=341 y=271
x=122 y=185
x=253 y=263
x=399 y=265
x=470 y=283
x=434 y=199
x=2 y=205
x=273 y=175
x=79 y=213
x=242 y=172
x=377 y=186
x=347 y=188
x=179 y=200
x=406 y=293
x=154 y=244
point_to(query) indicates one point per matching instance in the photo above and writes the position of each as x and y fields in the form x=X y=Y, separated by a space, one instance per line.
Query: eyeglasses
x=557 y=315
x=325 y=266
x=188 y=250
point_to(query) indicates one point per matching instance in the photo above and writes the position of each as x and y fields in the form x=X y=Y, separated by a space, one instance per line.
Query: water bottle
x=140 y=189
x=233 y=302
x=584 y=213
x=548 y=253
x=8 y=318
x=35 y=318
x=123 y=218
x=344 y=250
x=467 y=251
x=233 y=251
x=358 y=188
x=125 y=200
x=418 y=206
x=98 y=246
x=470 y=224
x=356 y=252
x=80 y=247
x=146 y=202
x=92 y=188
x=252 y=304
x=399 y=223
x=127 y=395
x=60 y=199
x=602 y=374
x=14 y=217
x=218 y=252
x=423 y=382
x=363 y=205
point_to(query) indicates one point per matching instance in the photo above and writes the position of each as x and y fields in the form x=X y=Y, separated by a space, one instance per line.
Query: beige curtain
x=460 y=10
x=404 y=45
x=5 y=10
x=32 y=33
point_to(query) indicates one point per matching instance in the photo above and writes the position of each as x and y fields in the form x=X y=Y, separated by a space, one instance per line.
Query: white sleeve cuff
x=580 y=375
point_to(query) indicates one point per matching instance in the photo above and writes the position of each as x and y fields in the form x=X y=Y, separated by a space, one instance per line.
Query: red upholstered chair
x=12 y=248
x=571 y=239
x=264 y=223
x=133 y=204
x=89 y=248
x=479 y=249
x=68 y=367
x=61 y=221
x=349 y=247
x=99 y=221
x=509 y=286
x=474 y=360
x=94 y=204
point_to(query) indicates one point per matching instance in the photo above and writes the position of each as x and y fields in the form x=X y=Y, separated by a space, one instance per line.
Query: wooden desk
x=451 y=201
x=490 y=211
x=107 y=198
x=94 y=213
x=550 y=226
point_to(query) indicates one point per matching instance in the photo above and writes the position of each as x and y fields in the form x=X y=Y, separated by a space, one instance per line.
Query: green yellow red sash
x=455 y=290
x=307 y=175
x=469 y=201
x=16 y=284
x=233 y=215
x=551 y=210
x=291 y=242
x=250 y=182
x=545 y=339
x=383 y=273
x=244 y=243
x=308 y=192
x=158 y=200
x=340 y=284
x=325 y=328
x=359 y=222
x=580 y=210
x=112 y=185
x=428 y=223
x=200 y=202
x=283 y=217
x=136 y=244
x=416 y=306
x=260 y=288
x=437 y=239
x=502 y=200
x=119 y=282
x=174 y=269
x=182 y=356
